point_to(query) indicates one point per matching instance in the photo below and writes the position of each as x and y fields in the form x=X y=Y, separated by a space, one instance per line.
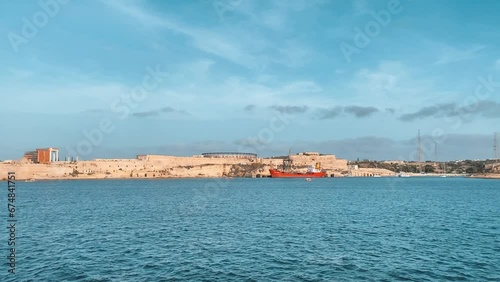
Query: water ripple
x=259 y=230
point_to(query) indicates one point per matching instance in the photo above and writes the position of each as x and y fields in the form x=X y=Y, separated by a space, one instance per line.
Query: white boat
x=403 y=175
x=444 y=170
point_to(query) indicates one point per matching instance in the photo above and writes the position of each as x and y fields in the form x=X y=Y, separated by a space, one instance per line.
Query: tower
x=419 y=152
x=435 y=151
x=436 y=160
x=495 y=147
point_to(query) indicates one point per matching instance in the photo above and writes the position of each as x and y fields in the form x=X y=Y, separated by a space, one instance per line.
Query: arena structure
x=230 y=155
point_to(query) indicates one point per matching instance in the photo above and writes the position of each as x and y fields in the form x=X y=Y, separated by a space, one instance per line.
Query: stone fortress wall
x=162 y=166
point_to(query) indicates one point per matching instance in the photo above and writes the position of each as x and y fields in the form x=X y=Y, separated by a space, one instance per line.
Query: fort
x=163 y=166
x=44 y=164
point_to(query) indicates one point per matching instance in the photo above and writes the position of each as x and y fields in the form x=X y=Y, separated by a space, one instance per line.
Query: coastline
x=164 y=167
x=171 y=167
x=482 y=176
x=486 y=176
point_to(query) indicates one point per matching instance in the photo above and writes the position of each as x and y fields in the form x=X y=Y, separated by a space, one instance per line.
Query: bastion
x=164 y=166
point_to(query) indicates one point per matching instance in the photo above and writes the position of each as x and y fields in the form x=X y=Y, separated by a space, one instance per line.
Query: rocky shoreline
x=486 y=176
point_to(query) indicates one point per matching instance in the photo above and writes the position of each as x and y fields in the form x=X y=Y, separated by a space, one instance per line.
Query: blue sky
x=230 y=68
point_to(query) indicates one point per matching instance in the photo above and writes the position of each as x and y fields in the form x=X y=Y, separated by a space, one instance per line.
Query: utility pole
x=419 y=150
x=436 y=161
x=435 y=151
x=495 y=147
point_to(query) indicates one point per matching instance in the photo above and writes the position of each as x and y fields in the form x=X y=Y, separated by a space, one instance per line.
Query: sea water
x=332 y=229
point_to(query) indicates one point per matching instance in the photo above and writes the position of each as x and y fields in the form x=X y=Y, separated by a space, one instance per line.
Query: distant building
x=309 y=154
x=47 y=155
x=230 y=155
x=399 y=162
x=42 y=156
x=31 y=156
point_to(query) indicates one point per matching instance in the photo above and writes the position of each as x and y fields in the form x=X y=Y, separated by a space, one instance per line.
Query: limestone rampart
x=161 y=166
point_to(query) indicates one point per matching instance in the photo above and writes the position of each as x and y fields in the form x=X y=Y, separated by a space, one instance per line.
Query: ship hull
x=280 y=174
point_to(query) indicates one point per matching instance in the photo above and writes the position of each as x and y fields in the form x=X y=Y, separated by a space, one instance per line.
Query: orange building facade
x=47 y=155
x=42 y=156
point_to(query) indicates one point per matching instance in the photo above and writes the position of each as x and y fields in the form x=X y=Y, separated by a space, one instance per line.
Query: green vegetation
x=459 y=167
x=429 y=169
x=75 y=173
x=245 y=170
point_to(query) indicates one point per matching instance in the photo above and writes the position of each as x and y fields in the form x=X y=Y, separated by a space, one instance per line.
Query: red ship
x=286 y=172
x=275 y=173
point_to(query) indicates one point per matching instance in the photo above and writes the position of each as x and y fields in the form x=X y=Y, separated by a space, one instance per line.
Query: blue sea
x=332 y=229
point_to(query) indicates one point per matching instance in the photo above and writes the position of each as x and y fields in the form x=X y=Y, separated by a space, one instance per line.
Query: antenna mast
x=419 y=152
x=435 y=151
x=495 y=146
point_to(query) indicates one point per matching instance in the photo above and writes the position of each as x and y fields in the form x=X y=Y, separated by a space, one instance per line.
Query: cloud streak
x=331 y=113
x=485 y=109
x=290 y=109
x=202 y=39
x=451 y=55
x=356 y=111
x=360 y=112
x=248 y=51
x=158 y=112
x=249 y=108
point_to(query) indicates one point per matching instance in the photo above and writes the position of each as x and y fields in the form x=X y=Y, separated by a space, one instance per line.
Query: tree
x=429 y=169
x=470 y=170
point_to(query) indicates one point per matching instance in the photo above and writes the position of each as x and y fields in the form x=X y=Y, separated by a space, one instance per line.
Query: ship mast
x=287 y=162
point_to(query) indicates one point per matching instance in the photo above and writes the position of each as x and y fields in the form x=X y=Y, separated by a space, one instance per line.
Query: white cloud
x=64 y=98
x=218 y=42
x=302 y=87
x=203 y=39
x=361 y=7
x=242 y=43
x=451 y=54
x=278 y=14
x=132 y=9
x=392 y=84
x=273 y=19
x=384 y=80
x=293 y=54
